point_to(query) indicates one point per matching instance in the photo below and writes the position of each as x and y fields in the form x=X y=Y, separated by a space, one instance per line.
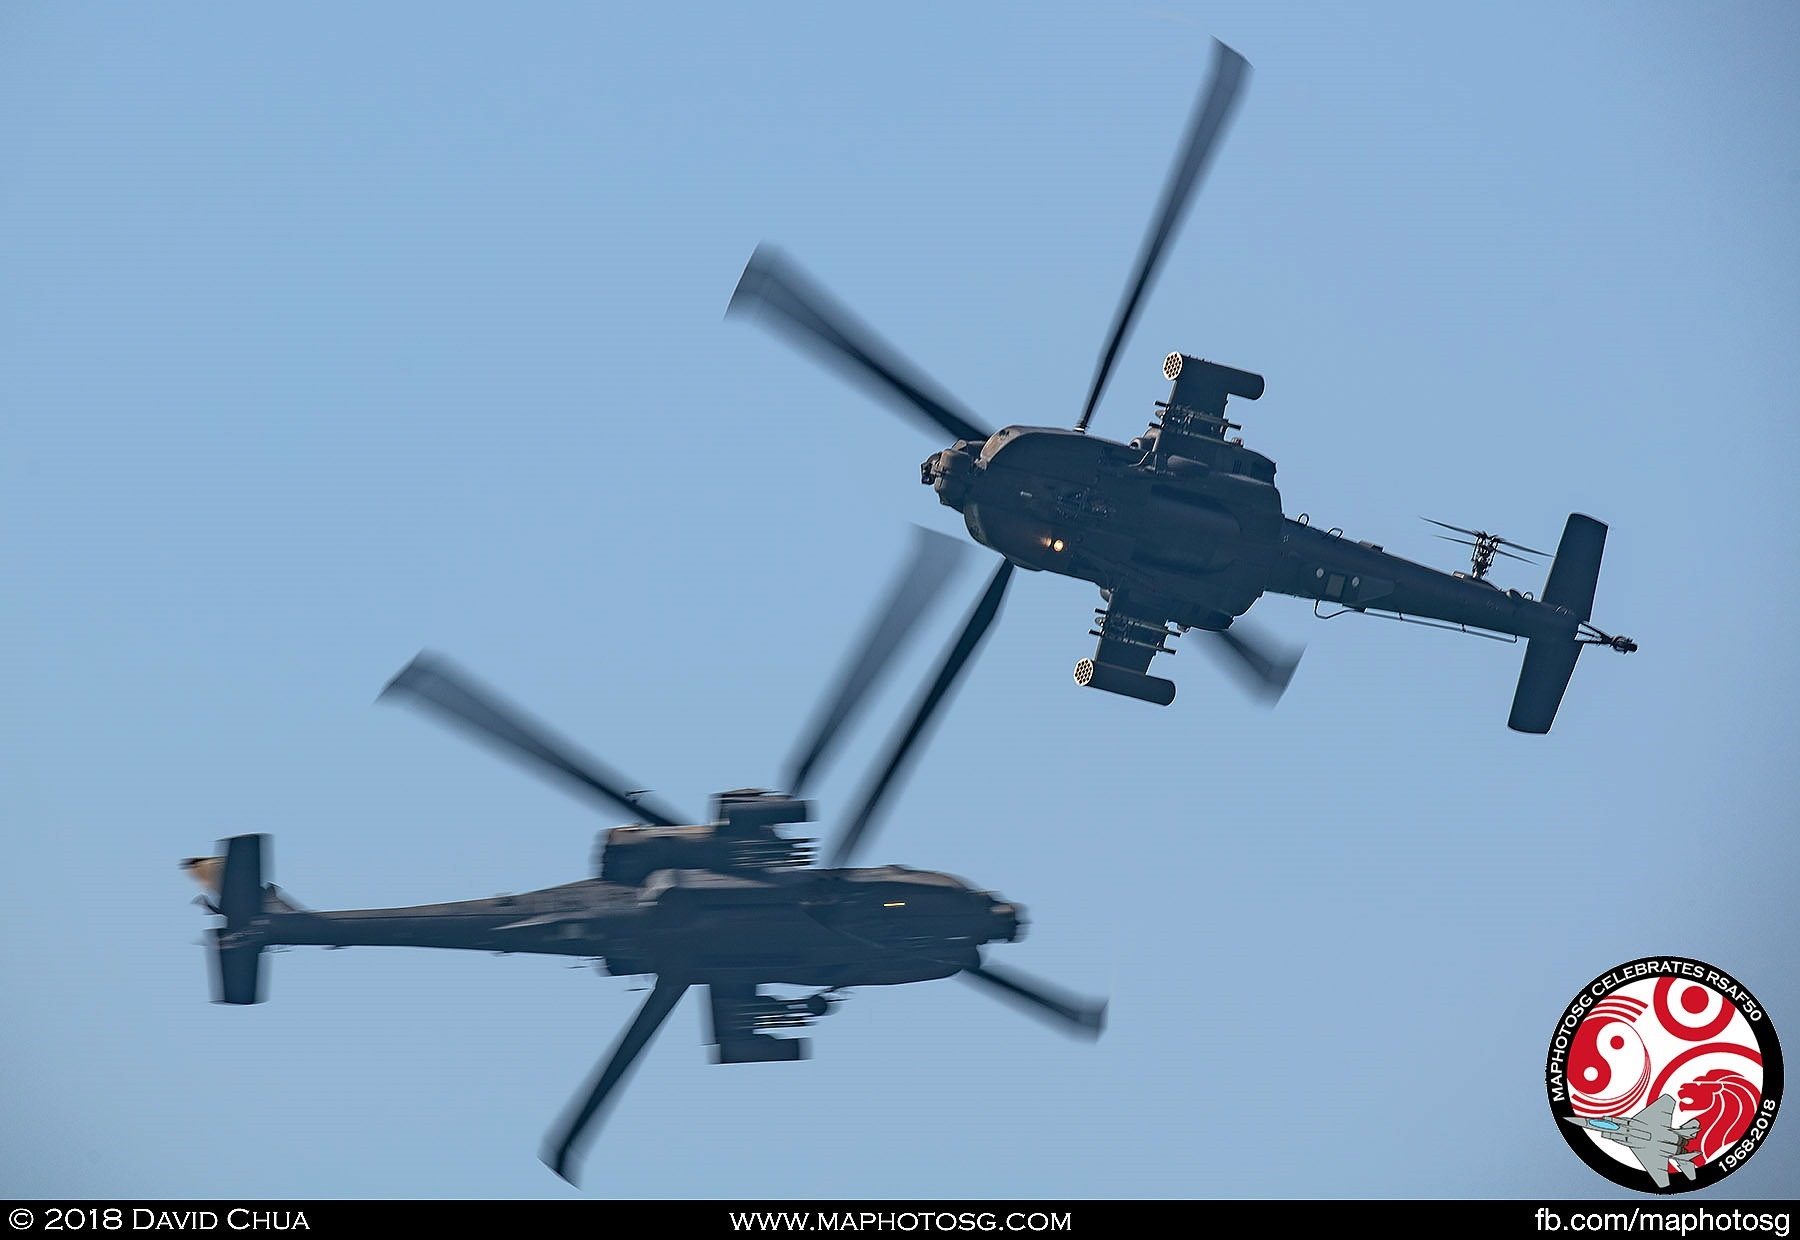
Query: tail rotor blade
x=1076 y=1016
x=933 y=559
x=1463 y=542
x=637 y=1036
x=1210 y=115
x=980 y=620
x=1482 y=535
x=450 y=691
x=808 y=314
x=1446 y=525
x=1507 y=542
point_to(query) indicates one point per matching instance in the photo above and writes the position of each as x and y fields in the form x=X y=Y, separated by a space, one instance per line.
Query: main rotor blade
x=934 y=556
x=1210 y=115
x=451 y=691
x=636 y=1037
x=1261 y=665
x=1082 y=1018
x=811 y=316
x=979 y=621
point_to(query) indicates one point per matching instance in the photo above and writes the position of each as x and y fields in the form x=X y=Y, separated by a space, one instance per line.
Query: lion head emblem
x=1725 y=1102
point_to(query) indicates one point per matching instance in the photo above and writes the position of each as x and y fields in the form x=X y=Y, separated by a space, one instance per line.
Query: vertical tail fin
x=237 y=949
x=1576 y=569
x=1550 y=661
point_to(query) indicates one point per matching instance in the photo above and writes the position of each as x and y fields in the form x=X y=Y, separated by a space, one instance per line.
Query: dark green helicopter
x=1183 y=525
x=731 y=905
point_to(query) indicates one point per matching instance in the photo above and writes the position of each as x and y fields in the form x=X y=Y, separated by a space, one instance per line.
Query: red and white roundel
x=1664 y=1074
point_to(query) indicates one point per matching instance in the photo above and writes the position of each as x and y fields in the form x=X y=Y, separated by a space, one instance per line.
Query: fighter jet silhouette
x=1650 y=1138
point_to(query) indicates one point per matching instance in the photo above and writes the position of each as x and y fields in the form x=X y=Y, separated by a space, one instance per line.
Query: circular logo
x=1664 y=1074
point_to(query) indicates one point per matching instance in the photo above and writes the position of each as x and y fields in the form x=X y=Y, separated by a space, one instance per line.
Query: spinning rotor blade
x=1210 y=115
x=1504 y=542
x=1463 y=542
x=1263 y=666
x=1082 y=1019
x=443 y=687
x=637 y=1036
x=810 y=315
x=1446 y=525
x=934 y=556
x=978 y=624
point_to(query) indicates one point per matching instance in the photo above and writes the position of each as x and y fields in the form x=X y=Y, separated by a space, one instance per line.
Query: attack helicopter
x=1182 y=527
x=733 y=905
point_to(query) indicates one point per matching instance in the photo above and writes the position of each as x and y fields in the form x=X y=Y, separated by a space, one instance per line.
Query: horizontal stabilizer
x=237 y=949
x=1549 y=662
x=237 y=969
x=241 y=883
x=1576 y=569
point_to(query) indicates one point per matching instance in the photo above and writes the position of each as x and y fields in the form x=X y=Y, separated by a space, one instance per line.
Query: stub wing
x=1130 y=636
x=740 y=1013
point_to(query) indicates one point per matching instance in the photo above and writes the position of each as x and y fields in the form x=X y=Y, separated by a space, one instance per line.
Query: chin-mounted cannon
x=951 y=472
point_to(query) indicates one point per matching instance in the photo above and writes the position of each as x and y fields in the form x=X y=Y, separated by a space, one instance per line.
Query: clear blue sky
x=331 y=333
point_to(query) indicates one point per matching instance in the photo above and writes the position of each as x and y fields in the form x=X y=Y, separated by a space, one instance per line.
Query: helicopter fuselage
x=1184 y=524
x=1193 y=530
x=804 y=927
